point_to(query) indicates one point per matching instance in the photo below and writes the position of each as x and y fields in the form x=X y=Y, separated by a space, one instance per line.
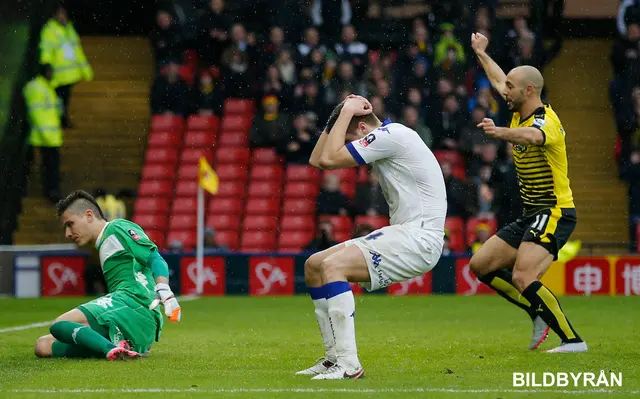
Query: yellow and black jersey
x=542 y=169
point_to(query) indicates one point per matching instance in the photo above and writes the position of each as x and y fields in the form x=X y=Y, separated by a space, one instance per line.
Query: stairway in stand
x=105 y=147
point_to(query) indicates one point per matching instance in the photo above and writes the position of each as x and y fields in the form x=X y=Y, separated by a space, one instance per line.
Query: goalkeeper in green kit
x=126 y=322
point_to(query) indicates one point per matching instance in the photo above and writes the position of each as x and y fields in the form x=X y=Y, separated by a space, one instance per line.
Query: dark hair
x=45 y=69
x=369 y=118
x=79 y=199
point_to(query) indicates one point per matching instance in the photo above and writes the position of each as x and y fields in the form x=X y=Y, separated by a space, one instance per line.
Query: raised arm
x=496 y=75
x=314 y=159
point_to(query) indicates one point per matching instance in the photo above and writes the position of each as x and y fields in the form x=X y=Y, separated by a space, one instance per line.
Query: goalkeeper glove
x=169 y=301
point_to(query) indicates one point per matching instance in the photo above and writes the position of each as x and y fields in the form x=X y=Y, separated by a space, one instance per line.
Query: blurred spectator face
x=206 y=81
x=410 y=116
x=382 y=86
x=325 y=228
x=482 y=19
x=446 y=170
x=238 y=33
x=376 y=73
x=519 y=24
x=61 y=16
x=482 y=234
x=414 y=96
x=276 y=35
x=348 y=34
x=331 y=183
x=301 y=123
x=284 y=58
x=311 y=37
x=345 y=71
x=272 y=73
x=477 y=115
x=420 y=34
x=451 y=104
x=217 y=5
x=377 y=104
x=489 y=153
x=485 y=175
x=419 y=69
x=311 y=89
x=633 y=32
x=163 y=19
x=448 y=34
x=316 y=56
x=444 y=87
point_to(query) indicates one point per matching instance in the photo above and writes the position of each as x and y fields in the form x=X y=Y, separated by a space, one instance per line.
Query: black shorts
x=550 y=228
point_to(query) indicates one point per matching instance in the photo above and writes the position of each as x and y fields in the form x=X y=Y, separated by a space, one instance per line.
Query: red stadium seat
x=342 y=236
x=233 y=155
x=260 y=222
x=223 y=222
x=265 y=189
x=453 y=157
x=375 y=221
x=265 y=156
x=233 y=172
x=191 y=156
x=459 y=172
x=267 y=172
x=188 y=172
x=164 y=139
x=297 y=223
x=160 y=188
x=302 y=173
x=363 y=175
x=156 y=236
x=299 y=206
x=187 y=188
x=473 y=223
x=294 y=241
x=236 y=122
x=233 y=139
x=186 y=237
x=454 y=227
x=238 y=106
x=454 y=224
x=199 y=139
x=232 y=189
x=151 y=205
x=345 y=175
x=150 y=221
x=191 y=59
x=340 y=223
x=184 y=205
x=158 y=172
x=183 y=222
x=207 y=123
x=256 y=241
x=167 y=123
x=260 y=206
x=162 y=155
x=301 y=189
x=348 y=189
x=228 y=238
x=225 y=206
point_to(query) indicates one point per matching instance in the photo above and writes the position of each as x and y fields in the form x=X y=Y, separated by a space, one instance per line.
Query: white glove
x=169 y=301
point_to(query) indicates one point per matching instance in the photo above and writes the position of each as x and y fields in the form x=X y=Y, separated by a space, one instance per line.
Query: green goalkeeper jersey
x=124 y=250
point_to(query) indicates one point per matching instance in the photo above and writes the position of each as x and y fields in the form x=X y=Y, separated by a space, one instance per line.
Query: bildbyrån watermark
x=561 y=379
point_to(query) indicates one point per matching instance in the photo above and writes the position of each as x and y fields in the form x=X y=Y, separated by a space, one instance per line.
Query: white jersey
x=410 y=176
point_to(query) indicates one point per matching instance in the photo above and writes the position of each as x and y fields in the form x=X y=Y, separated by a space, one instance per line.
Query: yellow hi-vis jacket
x=60 y=46
x=44 y=110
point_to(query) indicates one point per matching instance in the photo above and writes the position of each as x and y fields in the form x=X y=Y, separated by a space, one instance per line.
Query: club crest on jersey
x=368 y=139
x=134 y=235
x=520 y=148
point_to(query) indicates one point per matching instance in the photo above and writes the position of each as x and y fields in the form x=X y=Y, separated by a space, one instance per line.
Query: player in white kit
x=413 y=185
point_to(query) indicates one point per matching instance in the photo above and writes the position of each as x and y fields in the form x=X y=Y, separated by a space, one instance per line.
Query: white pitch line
x=324 y=390
x=29 y=326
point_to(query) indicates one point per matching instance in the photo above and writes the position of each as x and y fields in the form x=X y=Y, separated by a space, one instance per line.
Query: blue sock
x=336 y=288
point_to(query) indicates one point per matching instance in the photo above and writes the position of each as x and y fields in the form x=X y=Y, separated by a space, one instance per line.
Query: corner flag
x=207 y=177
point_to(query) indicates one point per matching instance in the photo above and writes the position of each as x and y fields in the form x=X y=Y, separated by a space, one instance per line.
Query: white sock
x=322 y=315
x=342 y=308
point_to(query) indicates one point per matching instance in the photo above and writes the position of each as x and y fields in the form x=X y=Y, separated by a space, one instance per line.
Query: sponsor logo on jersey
x=134 y=235
x=539 y=123
x=368 y=139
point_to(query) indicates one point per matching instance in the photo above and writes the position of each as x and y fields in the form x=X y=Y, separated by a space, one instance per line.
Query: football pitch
x=422 y=346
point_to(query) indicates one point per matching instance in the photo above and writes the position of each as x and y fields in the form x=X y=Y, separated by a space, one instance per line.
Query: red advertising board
x=63 y=276
x=213 y=269
x=587 y=276
x=466 y=282
x=419 y=285
x=627 y=272
x=356 y=289
x=271 y=275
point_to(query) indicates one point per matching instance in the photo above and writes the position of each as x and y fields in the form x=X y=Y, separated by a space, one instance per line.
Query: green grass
x=405 y=343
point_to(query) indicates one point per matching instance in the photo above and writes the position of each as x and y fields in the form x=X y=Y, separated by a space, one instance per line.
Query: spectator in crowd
x=60 y=47
x=208 y=96
x=236 y=73
x=345 y=81
x=314 y=67
x=448 y=42
x=391 y=104
x=484 y=158
x=369 y=198
x=330 y=15
x=482 y=193
x=626 y=54
x=504 y=182
x=448 y=125
x=411 y=120
x=273 y=85
x=44 y=112
x=311 y=42
x=330 y=200
x=458 y=204
x=210 y=243
x=112 y=207
x=298 y=146
x=214 y=26
x=473 y=138
x=362 y=230
x=324 y=237
x=628 y=11
x=414 y=99
x=167 y=40
x=274 y=45
x=351 y=50
x=373 y=74
x=307 y=99
x=481 y=236
x=272 y=126
x=286 y=67
x=170 y=93
x=175 y=247
x=484 y=98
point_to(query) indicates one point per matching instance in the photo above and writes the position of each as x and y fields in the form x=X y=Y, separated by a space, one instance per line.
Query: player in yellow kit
x=513 y=261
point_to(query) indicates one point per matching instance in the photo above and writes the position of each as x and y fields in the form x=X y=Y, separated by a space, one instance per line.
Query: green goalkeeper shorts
x=119 y=316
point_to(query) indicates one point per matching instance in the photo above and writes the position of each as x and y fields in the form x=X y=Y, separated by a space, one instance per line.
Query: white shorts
x=398 y=253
